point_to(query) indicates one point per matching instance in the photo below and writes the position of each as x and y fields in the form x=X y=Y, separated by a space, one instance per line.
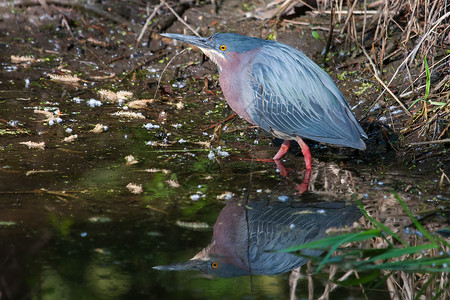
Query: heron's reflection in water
x=244 y=235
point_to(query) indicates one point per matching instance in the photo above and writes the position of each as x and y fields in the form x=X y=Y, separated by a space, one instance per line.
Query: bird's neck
x=234 y=81
x=233 y=61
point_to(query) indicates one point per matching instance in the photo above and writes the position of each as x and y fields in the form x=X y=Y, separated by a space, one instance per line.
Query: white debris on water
x=211 y=155
x=93 y=103
x=375 y=107
x=222 y=153
x=149 y=126
x=360 y=102
x=283 y=198
x=195 y=197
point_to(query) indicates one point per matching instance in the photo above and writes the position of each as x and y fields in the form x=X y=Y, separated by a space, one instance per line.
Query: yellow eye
x=214 y=264
x=223 y=47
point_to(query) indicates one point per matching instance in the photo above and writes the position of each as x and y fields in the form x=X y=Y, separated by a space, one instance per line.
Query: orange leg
x=283 y=149
x=306 y=152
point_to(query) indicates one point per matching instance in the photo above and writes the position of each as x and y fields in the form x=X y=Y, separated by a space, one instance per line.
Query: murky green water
x=82 y=219
x=72 y=229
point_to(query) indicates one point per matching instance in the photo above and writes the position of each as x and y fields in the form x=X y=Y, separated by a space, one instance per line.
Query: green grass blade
x=347 y=238
x=335 y=241
x=429 y=264
x=392 y=253
x=315 y=34
x=414 y=103
x=437 y=103
x=427 y=71
x=390 y=258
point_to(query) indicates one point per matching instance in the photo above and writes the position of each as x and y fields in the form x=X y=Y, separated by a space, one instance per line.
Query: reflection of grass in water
x=61 y=225
x=416 y=266
x=157 y=187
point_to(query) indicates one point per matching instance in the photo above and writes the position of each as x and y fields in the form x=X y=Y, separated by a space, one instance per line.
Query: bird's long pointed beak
x=187 y=265
x=201 y=42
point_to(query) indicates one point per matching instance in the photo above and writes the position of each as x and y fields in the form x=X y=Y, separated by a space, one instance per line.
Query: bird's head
x=213 y=267
x=221 y=48
x=209 y=263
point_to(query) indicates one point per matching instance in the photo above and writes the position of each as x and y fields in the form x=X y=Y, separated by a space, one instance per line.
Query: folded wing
x=294 y=96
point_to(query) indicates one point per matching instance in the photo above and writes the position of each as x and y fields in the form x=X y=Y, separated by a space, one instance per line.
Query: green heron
x=281 y=90
x=245 y=237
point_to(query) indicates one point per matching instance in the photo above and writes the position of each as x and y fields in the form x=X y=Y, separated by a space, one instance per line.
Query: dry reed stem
x=392 y=288
x=332 y=286
x=310 y=282
x=412 y=55
x=354 y=12
x=375 y=71
x=427 y=26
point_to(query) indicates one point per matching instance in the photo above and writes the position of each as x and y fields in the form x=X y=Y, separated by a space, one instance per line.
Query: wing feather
x=294 y=96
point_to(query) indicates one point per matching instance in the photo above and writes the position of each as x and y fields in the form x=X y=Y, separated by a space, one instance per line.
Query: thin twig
x=350 y=14
x=413 y=53
x=355 y=12
x=283 y=7
x=147 y=22
x=45 y=6
x=364 y=24
x=221 y=122
x=375 y=72
x=180 y=18
x=430 y=142
x=164 y=70
x=306 y=4
x=330 y=34
x=297 y=22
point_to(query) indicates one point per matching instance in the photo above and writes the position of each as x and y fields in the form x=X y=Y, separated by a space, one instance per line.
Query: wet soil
x=95 y=190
